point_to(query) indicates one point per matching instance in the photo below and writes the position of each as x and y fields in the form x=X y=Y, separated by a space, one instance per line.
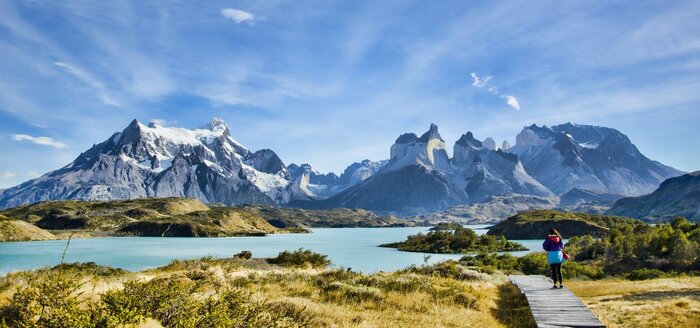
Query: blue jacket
x=554 y=246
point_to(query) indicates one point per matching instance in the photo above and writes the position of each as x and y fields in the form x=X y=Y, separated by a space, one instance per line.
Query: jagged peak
x=489 y=143
x=216 y=124
x=432 y=133
x=406 y=138
x=468 y=139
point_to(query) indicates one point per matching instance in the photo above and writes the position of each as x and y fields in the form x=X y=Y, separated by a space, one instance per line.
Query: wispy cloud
x=481 y=82
x=7 y=174
x=89 y=80
x=45 y=141
x=237 y=15
x=32 y=174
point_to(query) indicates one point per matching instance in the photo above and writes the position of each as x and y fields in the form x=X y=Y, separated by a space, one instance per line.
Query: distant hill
x=587 y=201
x=333 y=218
x=167 y=217
x=16 y=230
x=536 y=224
x=492 y=210
x=678 y=196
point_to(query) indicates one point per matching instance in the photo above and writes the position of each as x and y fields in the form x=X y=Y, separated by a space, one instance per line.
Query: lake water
x=354 y=248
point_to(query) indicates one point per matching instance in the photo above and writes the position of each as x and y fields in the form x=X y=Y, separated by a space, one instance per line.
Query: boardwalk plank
x=554 y=308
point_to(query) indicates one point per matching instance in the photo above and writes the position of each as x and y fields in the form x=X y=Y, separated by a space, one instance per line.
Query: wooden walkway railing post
x=554 y=307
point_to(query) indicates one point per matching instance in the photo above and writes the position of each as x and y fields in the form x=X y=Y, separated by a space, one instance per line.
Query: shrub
x=89 y=268
x=448 y=269
x=645 y=274
x=300 y=258
x=50 y=300
x=245 y=255
x=175 y=303
x=341 y=292
x=534 y=263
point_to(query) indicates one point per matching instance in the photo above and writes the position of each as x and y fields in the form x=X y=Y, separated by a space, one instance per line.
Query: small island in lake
x=459 y=240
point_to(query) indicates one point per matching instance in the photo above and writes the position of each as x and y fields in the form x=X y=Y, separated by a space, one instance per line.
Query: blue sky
x=333 y=82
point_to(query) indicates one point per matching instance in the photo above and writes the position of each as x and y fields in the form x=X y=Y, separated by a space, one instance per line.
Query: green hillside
x=536 y=224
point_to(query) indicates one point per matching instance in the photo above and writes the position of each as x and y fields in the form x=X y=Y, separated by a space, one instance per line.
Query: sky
x=334 y=82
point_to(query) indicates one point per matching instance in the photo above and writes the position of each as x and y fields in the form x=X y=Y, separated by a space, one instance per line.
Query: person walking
x=554 y=246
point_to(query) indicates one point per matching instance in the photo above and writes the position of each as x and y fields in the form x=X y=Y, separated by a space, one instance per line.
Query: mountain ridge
x=208 y=164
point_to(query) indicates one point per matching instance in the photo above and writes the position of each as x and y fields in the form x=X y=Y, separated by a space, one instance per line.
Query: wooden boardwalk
x=554 y=307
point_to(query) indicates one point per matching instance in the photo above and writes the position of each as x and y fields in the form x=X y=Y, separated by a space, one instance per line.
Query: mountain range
x=419 y=177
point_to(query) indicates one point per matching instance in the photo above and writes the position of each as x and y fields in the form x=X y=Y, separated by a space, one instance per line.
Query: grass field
x=668 y=302
x=298 y=291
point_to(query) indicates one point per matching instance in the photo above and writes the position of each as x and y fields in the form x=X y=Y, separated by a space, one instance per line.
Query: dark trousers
x=556 y=273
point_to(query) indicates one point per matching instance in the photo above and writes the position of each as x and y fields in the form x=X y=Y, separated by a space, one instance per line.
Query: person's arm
x=545 y=245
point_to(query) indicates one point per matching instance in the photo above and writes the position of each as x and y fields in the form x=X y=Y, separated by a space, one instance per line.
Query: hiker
x=555 y=255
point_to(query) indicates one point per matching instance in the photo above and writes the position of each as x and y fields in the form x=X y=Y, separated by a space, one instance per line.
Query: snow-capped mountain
x=569 y=156
x=420 y=177
x=485 y=172
x=157 y=161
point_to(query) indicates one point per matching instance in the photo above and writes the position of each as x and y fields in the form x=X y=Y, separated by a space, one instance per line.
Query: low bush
x=646 y=274
x=448 y=269
x=300 y=258
x=50 y=300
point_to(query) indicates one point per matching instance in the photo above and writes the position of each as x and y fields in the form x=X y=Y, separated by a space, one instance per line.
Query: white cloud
x=237 y=15
x=33 y=174
x=7 y=174
x=480 y=82
x=512 y=102
x=88 y=79
x=46 y=141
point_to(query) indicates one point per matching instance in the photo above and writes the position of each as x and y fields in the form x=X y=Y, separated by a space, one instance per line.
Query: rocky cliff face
x=485 y=172
x=421 y=178
x=428 y=151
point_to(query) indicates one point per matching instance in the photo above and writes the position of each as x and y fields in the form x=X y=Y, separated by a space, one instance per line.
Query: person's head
x=554 y=232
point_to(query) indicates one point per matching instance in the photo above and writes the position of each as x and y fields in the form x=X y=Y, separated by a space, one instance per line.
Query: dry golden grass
x=669 y=302
x=333 y=298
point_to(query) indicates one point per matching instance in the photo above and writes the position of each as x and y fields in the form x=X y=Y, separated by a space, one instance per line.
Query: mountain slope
x=412 y=189
x=678 y=196
x=420 y=177
x=156 y=161
x=569 y=156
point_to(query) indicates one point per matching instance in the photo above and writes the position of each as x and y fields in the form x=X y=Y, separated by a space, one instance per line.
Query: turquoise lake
x=354 y=248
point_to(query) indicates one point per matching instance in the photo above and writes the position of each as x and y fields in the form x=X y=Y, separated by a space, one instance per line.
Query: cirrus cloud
x=45 y=141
